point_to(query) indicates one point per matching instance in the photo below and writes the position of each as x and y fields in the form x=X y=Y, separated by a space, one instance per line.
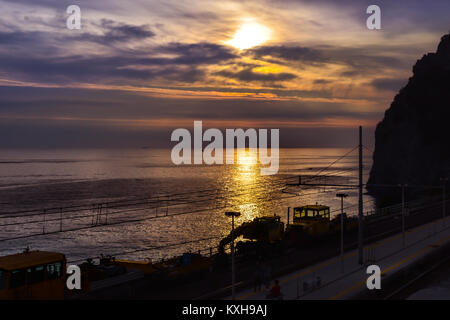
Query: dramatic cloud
x=356 y=60
x=144 y=66
x=118 y=32
x=198 y=53
x=289 y=53
x=388 y=84
x=249 y=75
x=183 y=65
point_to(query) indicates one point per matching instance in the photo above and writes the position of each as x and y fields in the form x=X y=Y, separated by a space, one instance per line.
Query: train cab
x=32 y=275
x=311 y=220
x=311 y=212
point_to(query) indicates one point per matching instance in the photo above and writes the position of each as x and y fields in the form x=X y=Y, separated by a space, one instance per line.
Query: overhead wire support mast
x=403 y=186
x=359 y=186
x=360 y=201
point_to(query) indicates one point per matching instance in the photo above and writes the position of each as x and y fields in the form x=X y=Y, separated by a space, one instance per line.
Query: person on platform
x=258 y=277
x=275 y=292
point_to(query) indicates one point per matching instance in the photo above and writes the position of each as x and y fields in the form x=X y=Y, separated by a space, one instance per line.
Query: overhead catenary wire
x=38 y=212
x=331 y=164
x=121 y=222
x=177 y=199
x=195 y=241
x=144 y=219
x=205 y=194
x=233 y=195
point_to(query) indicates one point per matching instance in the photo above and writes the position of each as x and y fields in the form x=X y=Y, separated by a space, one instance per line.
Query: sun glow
x=245 y=177
x=248 y=35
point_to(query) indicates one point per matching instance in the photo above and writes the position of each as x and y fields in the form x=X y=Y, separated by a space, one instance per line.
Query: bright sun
x=248 y=35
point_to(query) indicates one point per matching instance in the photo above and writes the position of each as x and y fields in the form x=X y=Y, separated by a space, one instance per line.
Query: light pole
x=289 y=208
x=403 y=186
x=232 y=215
x=342 y=196
x=444 y=182
x=403 y=214
x=360 y=203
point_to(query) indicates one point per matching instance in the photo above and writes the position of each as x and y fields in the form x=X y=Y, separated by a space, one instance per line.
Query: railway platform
x=335 y=279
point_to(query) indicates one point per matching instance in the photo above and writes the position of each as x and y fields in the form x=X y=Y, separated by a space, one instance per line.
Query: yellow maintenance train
x=310 y=222
x=33 y=275
x=42 y=274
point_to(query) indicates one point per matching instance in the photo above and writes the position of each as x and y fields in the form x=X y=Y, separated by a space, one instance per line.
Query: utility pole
x=289 y=208
x=360 y=201
x=342 y=196
x=403 y=214
x=232 y=215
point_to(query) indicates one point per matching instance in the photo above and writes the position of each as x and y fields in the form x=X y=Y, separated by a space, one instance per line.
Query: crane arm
x=239 y=231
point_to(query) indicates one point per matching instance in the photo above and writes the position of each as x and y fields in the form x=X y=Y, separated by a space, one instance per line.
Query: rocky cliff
x=412 y=142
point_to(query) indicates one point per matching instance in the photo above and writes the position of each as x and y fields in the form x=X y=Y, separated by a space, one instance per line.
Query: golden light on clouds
x=249 y=34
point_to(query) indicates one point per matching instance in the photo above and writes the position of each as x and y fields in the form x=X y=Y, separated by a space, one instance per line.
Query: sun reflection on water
x=246 y=179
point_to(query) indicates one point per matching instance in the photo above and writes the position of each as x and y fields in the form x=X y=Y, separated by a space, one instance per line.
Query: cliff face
x=412 y=142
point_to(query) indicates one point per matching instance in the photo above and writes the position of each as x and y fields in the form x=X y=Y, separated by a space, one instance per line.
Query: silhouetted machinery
x=312 y=222
x=260 y=232
x=265 y=235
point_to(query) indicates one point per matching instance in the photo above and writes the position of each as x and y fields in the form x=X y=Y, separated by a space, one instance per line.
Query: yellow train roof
x=29 y=259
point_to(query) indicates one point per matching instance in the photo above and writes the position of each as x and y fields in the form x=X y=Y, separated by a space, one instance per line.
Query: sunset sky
x=138 y=69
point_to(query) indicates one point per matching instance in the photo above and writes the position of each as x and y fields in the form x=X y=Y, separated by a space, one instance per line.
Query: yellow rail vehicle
x=314 y=221
x=33 y=275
